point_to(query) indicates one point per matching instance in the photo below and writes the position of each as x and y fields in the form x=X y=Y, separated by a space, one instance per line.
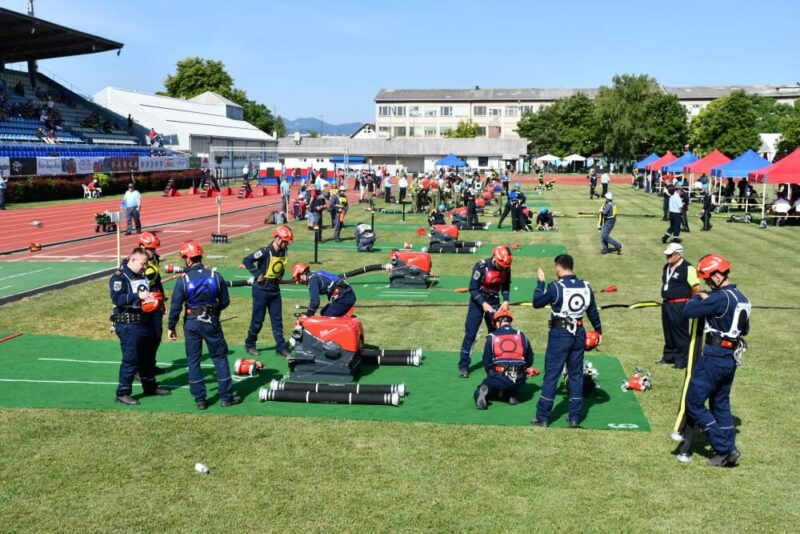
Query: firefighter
x=507 y=355
x=437 y=216
x=569 y=298
x=204 y=294
x=133 y=324
x=592 y=184
x=339 y=203
x=606 y=222
x=517 y=204
x=340 y=295
x=727 y=320
x=708 y=207
x=678 y=283
x=150 y=242
x=490 y=282
x=267 y=265
x=470 y=197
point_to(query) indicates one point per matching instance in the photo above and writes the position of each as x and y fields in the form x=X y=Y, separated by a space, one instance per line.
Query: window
x=399 y=111
x=430 y=111
x=430 y=131
x=445 y=131
x=384 y=131
x=483 y=161
x=495 y=112
x=384 y=111
x=511 y=111
x=412 y=131
x=413 y=111
x=527 y=109
x=446 y=111
x=399 y=131
x=481 y=131
x=461 y=111
x=480 y=111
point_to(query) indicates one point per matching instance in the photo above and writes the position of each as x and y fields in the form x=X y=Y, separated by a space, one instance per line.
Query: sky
x=309 y=58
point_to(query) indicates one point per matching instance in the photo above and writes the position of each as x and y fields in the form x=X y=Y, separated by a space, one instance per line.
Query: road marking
x=25 y=274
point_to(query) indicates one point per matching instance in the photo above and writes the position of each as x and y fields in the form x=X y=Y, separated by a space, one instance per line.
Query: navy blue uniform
x=488 y=284
x=153 y=273
x=134 y=328
x=513 y=196
x=204 y=295
x=608 y=218
x=727 y=319
x=472 y=207
x=569 y=298
x=517 y=220
x=267 y=265
x=436 y=217
x=340 y=295
x=507 y=354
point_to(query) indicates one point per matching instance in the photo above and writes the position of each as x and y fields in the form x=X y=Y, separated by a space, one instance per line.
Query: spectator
x=130 y=122
x=3 y=189
x=152 y=135
x=94 y=188
x=245 y=171
x=286 y=191
x=402 y=184
x=132 y=204
x=19 y=89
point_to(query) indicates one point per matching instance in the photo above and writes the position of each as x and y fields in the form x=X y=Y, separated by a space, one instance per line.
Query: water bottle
x=200 y=468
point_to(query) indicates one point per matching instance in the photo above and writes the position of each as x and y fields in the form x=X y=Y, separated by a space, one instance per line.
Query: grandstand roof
x=480 y=146
x=29 y=38
x=171 y=116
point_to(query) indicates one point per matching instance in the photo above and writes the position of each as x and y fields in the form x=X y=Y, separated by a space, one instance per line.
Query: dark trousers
x=685 y=220
x=592 y=188
x=138 y=355
x=676 y=334
x=665 y=207
x=605 y=189
x=132 y=214
x=158 y=329
x=506 y=211
x=195 y=332
x=712 y=380
x=517 y=222
x=475 y=315
x=337 y=307
x=263 y=300
x=337 y=227
x=2 y=198
x=707 y=219
x=505 y=188
x=605 y=236
x=500 y=384
x=674 y=227
x=472 y=213
x=562 y=348
x=403 y=194
x=387 y=194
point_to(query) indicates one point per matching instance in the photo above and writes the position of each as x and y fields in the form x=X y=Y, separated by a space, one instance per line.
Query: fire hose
x=386 y=399
x=391 y=357
x=316 y=387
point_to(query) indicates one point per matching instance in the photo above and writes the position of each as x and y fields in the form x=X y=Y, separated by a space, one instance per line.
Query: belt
x=676 y=301
x=562 y=323
x=718 y=341
x=127 y=318
x=203 y=310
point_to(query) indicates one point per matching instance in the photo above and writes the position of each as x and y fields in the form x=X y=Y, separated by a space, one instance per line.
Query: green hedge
x=35 y=189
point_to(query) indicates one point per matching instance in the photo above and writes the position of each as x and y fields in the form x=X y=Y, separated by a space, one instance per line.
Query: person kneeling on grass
x=507 y=358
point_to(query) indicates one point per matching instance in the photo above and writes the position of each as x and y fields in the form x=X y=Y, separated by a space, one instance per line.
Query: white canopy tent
x=547 y=158
x=574 y=157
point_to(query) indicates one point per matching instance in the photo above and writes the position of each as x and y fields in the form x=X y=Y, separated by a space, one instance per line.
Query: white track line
x=175 y=232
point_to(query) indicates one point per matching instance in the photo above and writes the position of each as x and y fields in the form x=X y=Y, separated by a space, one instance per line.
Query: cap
x=130 y=186
x=672 y=248
x=609 y=196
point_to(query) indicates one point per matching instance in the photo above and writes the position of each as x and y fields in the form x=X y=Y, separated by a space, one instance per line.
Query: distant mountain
x=311 y=124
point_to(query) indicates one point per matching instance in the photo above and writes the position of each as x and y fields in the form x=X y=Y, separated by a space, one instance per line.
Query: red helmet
x=191 y=249
x=501 y=255
x=592 y=340
x=710 y=264
x=298 y=269
x=285 y=233
x=149 y=240
x=152 y=301
x=499 y=314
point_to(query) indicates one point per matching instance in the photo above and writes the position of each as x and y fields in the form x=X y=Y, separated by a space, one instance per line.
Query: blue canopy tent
x=451 y=160
x=649 y=159
x=741 y=166
x=678 y=164
x=355 y=160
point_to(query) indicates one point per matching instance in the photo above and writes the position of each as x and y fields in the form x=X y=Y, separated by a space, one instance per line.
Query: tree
x=790 y=131
x=464 y=130
x=280 y=127
x=568 y=126
x=621 y=112
x=313 y=134
x=730 y=124
x=667 y=127
x=195 y=75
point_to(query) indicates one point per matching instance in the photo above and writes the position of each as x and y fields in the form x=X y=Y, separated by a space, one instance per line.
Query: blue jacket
x=268 y=262
x=554 y=296
x=199 y=286
x=489 y=280
x=727 y=314
x=125 y=286
x=322 y=283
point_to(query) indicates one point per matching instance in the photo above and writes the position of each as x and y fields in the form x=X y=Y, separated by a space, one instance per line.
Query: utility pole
x=30 y=8
x=321 y=131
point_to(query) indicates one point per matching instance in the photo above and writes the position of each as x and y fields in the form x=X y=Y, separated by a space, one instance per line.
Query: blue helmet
x=543 y=210
x=516 y=185
x=442 y=207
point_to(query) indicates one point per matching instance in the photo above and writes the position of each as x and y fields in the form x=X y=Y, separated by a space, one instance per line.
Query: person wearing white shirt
x=132 y=204
x=604 y=181
x=402 y=184
x=675 y=216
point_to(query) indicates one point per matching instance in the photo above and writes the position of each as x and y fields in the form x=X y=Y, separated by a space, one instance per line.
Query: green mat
x=19 y=276
x=40 y=371
x=525 y=251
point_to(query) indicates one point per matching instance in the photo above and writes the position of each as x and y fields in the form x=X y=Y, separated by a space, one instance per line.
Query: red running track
x=160 y=214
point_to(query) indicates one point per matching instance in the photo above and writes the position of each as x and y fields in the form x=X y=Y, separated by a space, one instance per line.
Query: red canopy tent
x=669 y=157
x=705 y=164
x=785 y=171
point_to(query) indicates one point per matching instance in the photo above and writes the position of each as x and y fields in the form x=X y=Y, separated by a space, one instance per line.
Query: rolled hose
x=314 y=387
x=387 y=399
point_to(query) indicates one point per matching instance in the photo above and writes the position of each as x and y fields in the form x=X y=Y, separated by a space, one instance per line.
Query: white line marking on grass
x=81 y=382
x=70 y=360
x=5 y=287
x=25 y=274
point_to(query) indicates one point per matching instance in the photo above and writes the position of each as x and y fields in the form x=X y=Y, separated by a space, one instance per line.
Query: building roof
x=212 y=98
x=29 y=38
x=405 y=146
x=550 y=94
x=177 y=116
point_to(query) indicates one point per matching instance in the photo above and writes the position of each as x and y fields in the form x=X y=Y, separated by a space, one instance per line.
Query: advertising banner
x=48 y=166
x=23 y=166
x=124 y=164
x=5 y=166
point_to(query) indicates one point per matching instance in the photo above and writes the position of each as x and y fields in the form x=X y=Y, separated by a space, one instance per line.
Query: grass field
x=92 y=471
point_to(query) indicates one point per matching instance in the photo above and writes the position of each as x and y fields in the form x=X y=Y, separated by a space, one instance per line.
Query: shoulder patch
x=258 y=253
x=117 y=285
x=476 y=275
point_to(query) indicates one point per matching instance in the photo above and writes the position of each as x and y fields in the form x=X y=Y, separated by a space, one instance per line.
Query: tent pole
x=764 y=199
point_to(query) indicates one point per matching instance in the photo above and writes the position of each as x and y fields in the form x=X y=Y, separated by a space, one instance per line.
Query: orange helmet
x=152 y=301
x=285 y=233
x=149 y=240
x=191 y=249
x=499 y=314
x=298 y=269
x=710 y=264
x=501 y=255
x=592 y=340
